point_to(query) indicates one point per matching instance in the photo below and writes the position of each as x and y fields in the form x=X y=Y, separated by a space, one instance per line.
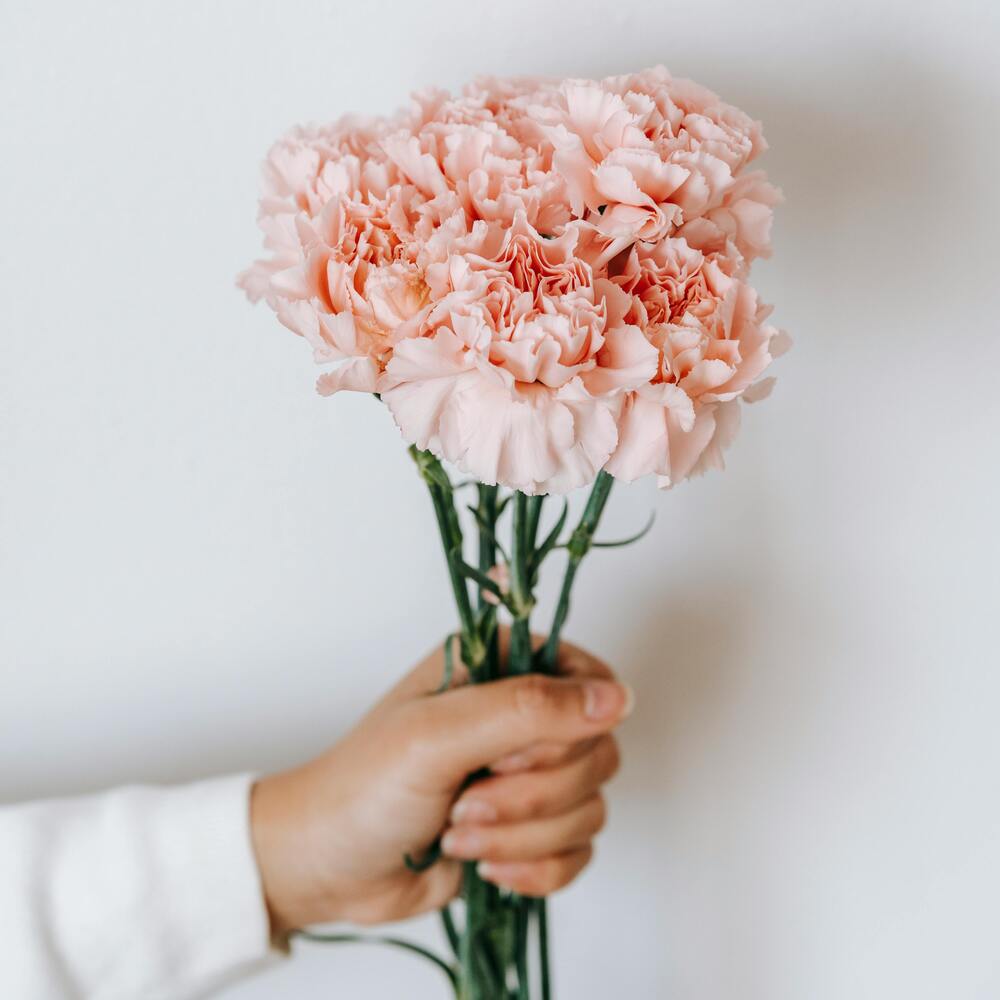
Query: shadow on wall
x=862 y=175
x=682 y=662
x=860 y=146
x=862 y=143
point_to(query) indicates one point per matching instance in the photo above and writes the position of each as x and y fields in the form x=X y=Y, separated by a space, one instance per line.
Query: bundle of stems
x=498 y=932
x=494 y=941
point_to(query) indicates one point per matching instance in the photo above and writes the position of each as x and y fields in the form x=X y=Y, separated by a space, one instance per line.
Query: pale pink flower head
x=540 y=278
x=713 y=343
x=517 y=375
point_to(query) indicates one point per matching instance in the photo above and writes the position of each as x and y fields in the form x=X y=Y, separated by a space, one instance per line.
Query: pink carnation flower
x=540 y=278
x=712 y=342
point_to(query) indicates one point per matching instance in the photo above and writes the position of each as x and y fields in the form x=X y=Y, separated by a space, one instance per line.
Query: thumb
x=471 y=727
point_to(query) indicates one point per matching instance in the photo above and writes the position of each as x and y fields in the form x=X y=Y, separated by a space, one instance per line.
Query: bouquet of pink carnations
x=545 y=282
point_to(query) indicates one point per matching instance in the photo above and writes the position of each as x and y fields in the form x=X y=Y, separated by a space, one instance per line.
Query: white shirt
x=135 y=894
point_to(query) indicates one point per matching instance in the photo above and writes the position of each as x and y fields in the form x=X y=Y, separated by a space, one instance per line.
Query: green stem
x=478 y=966
x=481 y=972
x=487 y=512
x=520 y=588
x=522 y=926
x=543 y=947
x=470 y=982
x=579 y=544
x=534 y=516
x=450 y=529
x=484 y=959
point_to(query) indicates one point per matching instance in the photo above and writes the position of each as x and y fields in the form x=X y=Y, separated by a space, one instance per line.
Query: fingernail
x=498 y=872
x=461 y=844
x=604 y=700
x=473 y=811
x=629 y=701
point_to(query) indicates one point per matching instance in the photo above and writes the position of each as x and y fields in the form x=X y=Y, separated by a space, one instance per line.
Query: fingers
x=461 y=731
x=542 y=755
x=532 y=840
x=533 y=794
x=427 y=675
x=573 y=662
x=537 y=878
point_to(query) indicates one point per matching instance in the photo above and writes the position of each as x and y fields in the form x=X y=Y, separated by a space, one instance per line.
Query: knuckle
x=417 y=732
x=558 y=877
x=407 y=721
x=597 y=814
x=601 y=669
x=419 y=762
x=566 y=870
x=612 y=757
x=532 y=800
x=575 y=660
x=538 y=879
x=580 y=861
x=534 y=699
x=492 y=846
x=548 y=879
x=561 y=871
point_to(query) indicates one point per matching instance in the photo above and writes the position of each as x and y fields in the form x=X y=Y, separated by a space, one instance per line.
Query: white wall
x=203 y=566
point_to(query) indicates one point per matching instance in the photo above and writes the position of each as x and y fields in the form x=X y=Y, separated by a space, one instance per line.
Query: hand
x=330 y=835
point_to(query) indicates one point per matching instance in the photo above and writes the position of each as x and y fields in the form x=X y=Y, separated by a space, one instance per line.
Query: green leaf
x=392 y=942
x=487 y=529
x=449 y=662
x=549 y=542
x=487 y=583
x=451 y=932
x=632 y=538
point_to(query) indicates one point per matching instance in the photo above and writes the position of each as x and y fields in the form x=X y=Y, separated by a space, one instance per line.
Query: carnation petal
x=759 y=390
x=418 y=384
x=356 y=375
x=626 y=361
x=706 y=375
x=648 y=419
x=725 y=426
x=687 y=446
x=781 y=342
x=528 y=438
x=643 y=445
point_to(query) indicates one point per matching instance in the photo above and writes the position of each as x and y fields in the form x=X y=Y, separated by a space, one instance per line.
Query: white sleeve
x=136 y=894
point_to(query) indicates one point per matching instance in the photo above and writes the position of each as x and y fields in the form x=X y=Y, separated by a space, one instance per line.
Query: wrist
x=280 y=836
